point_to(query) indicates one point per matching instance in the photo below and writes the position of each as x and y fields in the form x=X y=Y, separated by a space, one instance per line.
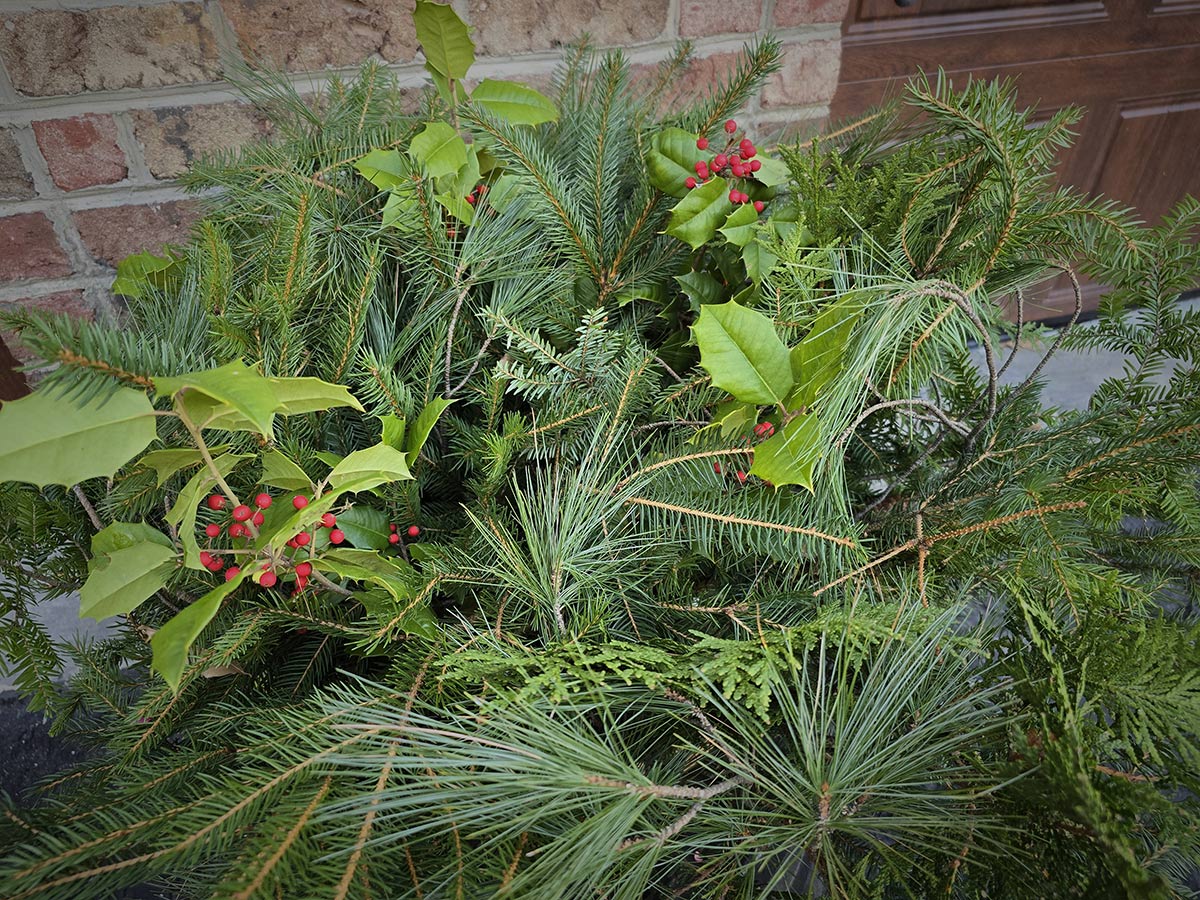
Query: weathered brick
x=309 y=34
x=112 y=233
x=173 y=136
x=29 y=249
x=58 y=52
x=702 y=17
x=69 y=302
x=81 y=152
x=15 y=182
x=701 y=75
x=791 y=13
x=518 y=26
x=809 y=75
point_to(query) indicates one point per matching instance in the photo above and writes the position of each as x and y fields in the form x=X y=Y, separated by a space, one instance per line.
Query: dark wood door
x=1133 y=64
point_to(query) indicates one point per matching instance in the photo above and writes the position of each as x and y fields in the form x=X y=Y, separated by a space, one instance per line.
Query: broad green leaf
x=392 y=574
x=415 y=619
x=439 y=149
x=789 y=455
x=140 y=271
x=504 y=191
x=514 y=102
x=652 y=292
x=741 y=351
x=772 y=172
x=739 y=227
x=290 y=396
x=758 y=259
x=731 y=418
x=296 y=396
x=330 y=459
x=695 y=218
x=385 y=169
x=464 y=180
x=424 y=423
x=183 y=514
x=820 y=356
x=130 y=561
x=276 y=532
x=365 y=527
x=173 y=640
x=457 y=207
x=392 y=428
x=700 y=288
x=48 y=439
x=400 y=209
x=442 y=83
x=365 y=469
x=444 y=38
x=167 y=462
x=234 y=385
x=281 y=472
x=671 y=160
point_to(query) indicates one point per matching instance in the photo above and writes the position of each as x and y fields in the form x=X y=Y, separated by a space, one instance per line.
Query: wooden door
x=1133 y=64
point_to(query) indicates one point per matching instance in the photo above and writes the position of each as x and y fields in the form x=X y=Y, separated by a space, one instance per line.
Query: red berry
x=267 y=579
x=215 y=501
x=471 y=199
x=299 y=501
x=237 y=529
x=481 y=190
x=216 y=564
x=304 y=569
x=702 y=168
x=741 y=476
x=750 y=152
x=730 y=127
x=241 y=513
x=291 y=542
x=717 y=468
x=328 y=520
x=392 y=526
x=301 y=584
x=759 y=206
x=720 y=161
x=755 y=165
x=263 y=500
x=745 y=198
x=336 y=536
x=734 y=195
x=206 y=559
x=738 y=170
x=414 y=531
x=258 y=518
x=393 y=538
x=232 y=572
x=689 y=182
x=702 y=143
x=303 y=538
x=212 y=530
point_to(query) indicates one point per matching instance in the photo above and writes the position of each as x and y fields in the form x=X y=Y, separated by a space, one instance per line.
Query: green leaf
x=173 y=640
x=731 y=418
x=183 y=514
x=772 y=172
x=235 y=386
x=439 y=150
x=671 y=160
x=130 y=561
x=758 y=259
x=789 y=455
x=400 y=208
x=506 y=190
x=464 y=180
x=365 y=527
x=167 y=462
x=695 y=218
x=295 y=396
x=281 y=472
x=365 y=469
x=741 y=351
x=424 y=423
x=48 y=439
x=392 y=431
x=385 y=169
x=392 y=574
x=514 y=102
x=740 y=226
x=820 y=356
x=330 y=459
x=140 y=271
x=457 y=207
x=700 y=288
x=444 y=38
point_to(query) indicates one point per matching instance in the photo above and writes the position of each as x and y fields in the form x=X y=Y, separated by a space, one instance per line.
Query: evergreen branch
x=738 y=520
x=285 y=844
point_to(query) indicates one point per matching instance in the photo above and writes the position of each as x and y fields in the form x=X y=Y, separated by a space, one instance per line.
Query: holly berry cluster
x=762 y=431
x=476 y=195
x=736 y=160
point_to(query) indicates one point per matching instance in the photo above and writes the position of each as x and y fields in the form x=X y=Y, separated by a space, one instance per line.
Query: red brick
x=698 y=18
x=29 y=249
x=809 y=75
x=791 y=13
x=69 y=302
x=698 y=81
x=81 y=152
x=115 y=232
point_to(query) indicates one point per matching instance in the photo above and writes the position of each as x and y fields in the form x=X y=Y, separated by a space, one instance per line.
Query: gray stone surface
x=60 y=617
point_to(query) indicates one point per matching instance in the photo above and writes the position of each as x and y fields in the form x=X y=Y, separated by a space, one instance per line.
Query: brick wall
x=102 y=103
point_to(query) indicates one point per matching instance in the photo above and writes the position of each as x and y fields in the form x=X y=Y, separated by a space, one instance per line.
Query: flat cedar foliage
x=493 y=513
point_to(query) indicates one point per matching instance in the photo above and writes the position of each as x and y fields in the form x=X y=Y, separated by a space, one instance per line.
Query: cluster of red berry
x=476 y=195
x=735 y=161
x=394 y=538
x=762 y=431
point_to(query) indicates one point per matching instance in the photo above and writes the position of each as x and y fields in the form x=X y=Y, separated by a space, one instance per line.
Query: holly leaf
x=167 y=462
x=392 y=574
x=671 y=160
x=741 y=351
x=400 y=208
x=130 y=561
x=772 y=172
x=820 y=356
x=365 y=469
x=295 y=396
x=173 y=640
x=514 y=102
x=137 y=273
x=281 y=472
x=385 y=169
x=424 y=423
x=392 y=431
x=700 y=288
x=739 y=227
x=365 y=527
x=788 y=457
x=758 y=260
x=233 y=387
x=457 y=207
x=695 y=218
x=439 y=149
x=444 y=38
x=48 y=439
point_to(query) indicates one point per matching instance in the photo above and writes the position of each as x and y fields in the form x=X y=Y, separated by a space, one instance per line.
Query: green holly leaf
x=444 y=38
x=48 y=439
x=740 y=226
x=820 y=356
x=671 y=160
x=733 y=417
x=365 y=469
x=695 y=218
x=788 y=456
x=173 y=640
x=365 y=527
x=457 y=207
x=506 y=190
x=439 y=149
x=296 y=396
x=514 y=102
x=772 y=172
x=234 y=387
x=385 y=169
x=419 y=433
x=700 y=288
x=281 y=472
x=758 y=260
x=741 y=351
x=392 y=431
x=392 y=574
x=139 y=272
x=167 y=462
x=400 y=209
x=130 y=561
